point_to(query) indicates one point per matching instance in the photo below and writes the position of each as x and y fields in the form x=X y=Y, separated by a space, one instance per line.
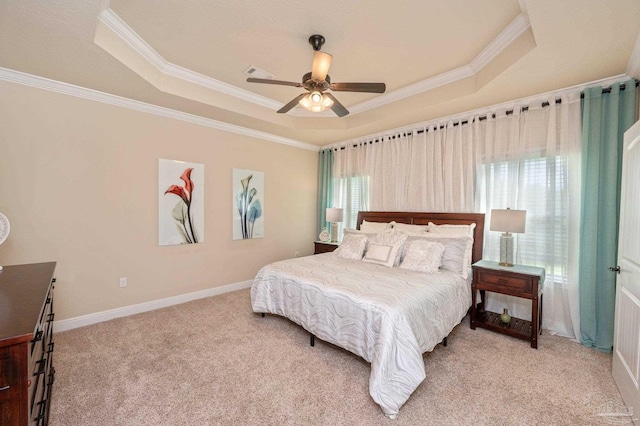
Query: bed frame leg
x=312 y=339
x=262 y=314
x=444 y=342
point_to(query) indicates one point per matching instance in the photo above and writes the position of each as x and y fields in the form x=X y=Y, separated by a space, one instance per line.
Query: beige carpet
x=215 y=362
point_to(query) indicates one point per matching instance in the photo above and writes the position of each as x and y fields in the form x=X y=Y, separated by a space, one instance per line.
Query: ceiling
x=437 y=57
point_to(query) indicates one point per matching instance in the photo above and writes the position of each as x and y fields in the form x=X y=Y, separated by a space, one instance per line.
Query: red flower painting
x=182 y=211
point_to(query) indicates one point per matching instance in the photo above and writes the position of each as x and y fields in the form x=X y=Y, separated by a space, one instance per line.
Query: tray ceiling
x=436 y=57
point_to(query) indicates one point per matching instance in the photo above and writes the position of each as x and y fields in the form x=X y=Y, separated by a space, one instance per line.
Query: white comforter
x=388 y=316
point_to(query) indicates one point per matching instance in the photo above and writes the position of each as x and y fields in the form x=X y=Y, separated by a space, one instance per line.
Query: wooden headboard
x=423 y=218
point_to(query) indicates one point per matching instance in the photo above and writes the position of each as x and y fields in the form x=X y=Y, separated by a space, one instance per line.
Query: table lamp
x=507 y=221
x=334 y=215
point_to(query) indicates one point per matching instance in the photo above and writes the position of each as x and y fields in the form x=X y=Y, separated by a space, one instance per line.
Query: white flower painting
x=248 y=204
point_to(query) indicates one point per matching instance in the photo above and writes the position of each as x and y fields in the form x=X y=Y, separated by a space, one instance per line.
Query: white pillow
x=352 y=247
x=382 y=254
x=374 y=226
x=410 y=229
x=456 y=230
x=391 y=237
x=357 y=232
x=423 y=256
x=457 y=251
x=371 y=236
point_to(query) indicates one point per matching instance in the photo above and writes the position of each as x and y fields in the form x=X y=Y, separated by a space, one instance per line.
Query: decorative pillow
x=352 y=247
x=391 y=237
x=455 y=230
x=422 y=256
x=457 y=251
x=370 y=235
x=357 y=232
x=410 y=229
x=374 y=226
x=382 y=254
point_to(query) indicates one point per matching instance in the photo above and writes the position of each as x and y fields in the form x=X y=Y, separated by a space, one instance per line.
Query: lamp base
x=334 y=232
x=506 y=249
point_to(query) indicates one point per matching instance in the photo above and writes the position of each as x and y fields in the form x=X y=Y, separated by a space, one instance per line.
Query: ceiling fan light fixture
x=316 y=102
x=317 y=81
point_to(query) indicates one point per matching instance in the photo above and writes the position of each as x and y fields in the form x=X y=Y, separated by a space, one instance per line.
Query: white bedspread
x=388 y=316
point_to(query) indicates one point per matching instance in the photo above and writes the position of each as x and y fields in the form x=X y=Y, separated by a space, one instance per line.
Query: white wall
x=78 y=182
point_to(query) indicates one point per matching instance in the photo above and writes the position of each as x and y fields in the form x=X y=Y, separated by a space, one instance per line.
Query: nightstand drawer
x=494 y=281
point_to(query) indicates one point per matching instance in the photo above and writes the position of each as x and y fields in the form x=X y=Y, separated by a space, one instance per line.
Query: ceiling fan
x=318 y=81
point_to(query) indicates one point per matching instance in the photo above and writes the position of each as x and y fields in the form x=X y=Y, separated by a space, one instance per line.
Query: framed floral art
x=248 y=204
x=180 y=202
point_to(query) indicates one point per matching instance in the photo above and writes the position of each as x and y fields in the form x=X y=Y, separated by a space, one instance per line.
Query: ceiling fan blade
x=358 y=87
x=279 y=82
x=321 y=64
x=337 y=107
x=291 y=104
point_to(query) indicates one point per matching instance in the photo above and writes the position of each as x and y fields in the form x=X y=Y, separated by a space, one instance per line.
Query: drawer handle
x=4 y=388
x=502 y=281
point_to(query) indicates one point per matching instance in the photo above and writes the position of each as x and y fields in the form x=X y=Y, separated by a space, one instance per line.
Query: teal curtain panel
x=325 y=186
x=606 y=115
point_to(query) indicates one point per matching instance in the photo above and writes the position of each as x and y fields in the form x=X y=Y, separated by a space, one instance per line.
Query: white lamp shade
x=334 y=215
x=507 y=220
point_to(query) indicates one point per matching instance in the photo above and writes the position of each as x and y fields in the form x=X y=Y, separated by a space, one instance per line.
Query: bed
x=389 y=316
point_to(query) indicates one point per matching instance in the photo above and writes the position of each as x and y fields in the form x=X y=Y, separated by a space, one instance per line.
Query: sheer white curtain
x=531 y=161
x=351 y=184
x=525 y=160
x=428 y=169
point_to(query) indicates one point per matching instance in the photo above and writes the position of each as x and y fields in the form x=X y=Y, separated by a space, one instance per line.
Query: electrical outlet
x=297 y=254
x=123 y=282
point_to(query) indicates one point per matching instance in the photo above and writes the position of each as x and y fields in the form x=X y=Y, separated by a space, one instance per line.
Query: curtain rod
x=481 y=118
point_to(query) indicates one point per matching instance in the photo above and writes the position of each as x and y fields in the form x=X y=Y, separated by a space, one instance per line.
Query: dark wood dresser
x=26 y=343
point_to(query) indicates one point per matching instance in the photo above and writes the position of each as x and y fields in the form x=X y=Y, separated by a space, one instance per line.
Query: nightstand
x=322 y=247
x=519 y=281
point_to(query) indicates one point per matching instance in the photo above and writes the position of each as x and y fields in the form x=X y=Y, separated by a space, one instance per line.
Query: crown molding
x=120 y=28
x=523 y=6
x=519 y=25
x=541 y=97
x=414 y=89
x=633 y=68
x=106 y=98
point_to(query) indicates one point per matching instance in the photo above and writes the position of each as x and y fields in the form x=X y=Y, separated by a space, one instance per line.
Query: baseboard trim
x=82 y=321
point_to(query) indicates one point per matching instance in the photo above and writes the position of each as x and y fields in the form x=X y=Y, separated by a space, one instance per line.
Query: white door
x=626 y=344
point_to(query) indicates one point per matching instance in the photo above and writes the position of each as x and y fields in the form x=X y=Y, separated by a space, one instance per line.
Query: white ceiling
x=437 y=57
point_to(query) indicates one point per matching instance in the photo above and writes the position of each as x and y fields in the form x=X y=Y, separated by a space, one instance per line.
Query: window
x=539 y=186
x=352 y=194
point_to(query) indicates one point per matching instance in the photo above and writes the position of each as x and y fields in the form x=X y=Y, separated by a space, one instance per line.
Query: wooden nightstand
x=322 y=247
x=519 y=281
